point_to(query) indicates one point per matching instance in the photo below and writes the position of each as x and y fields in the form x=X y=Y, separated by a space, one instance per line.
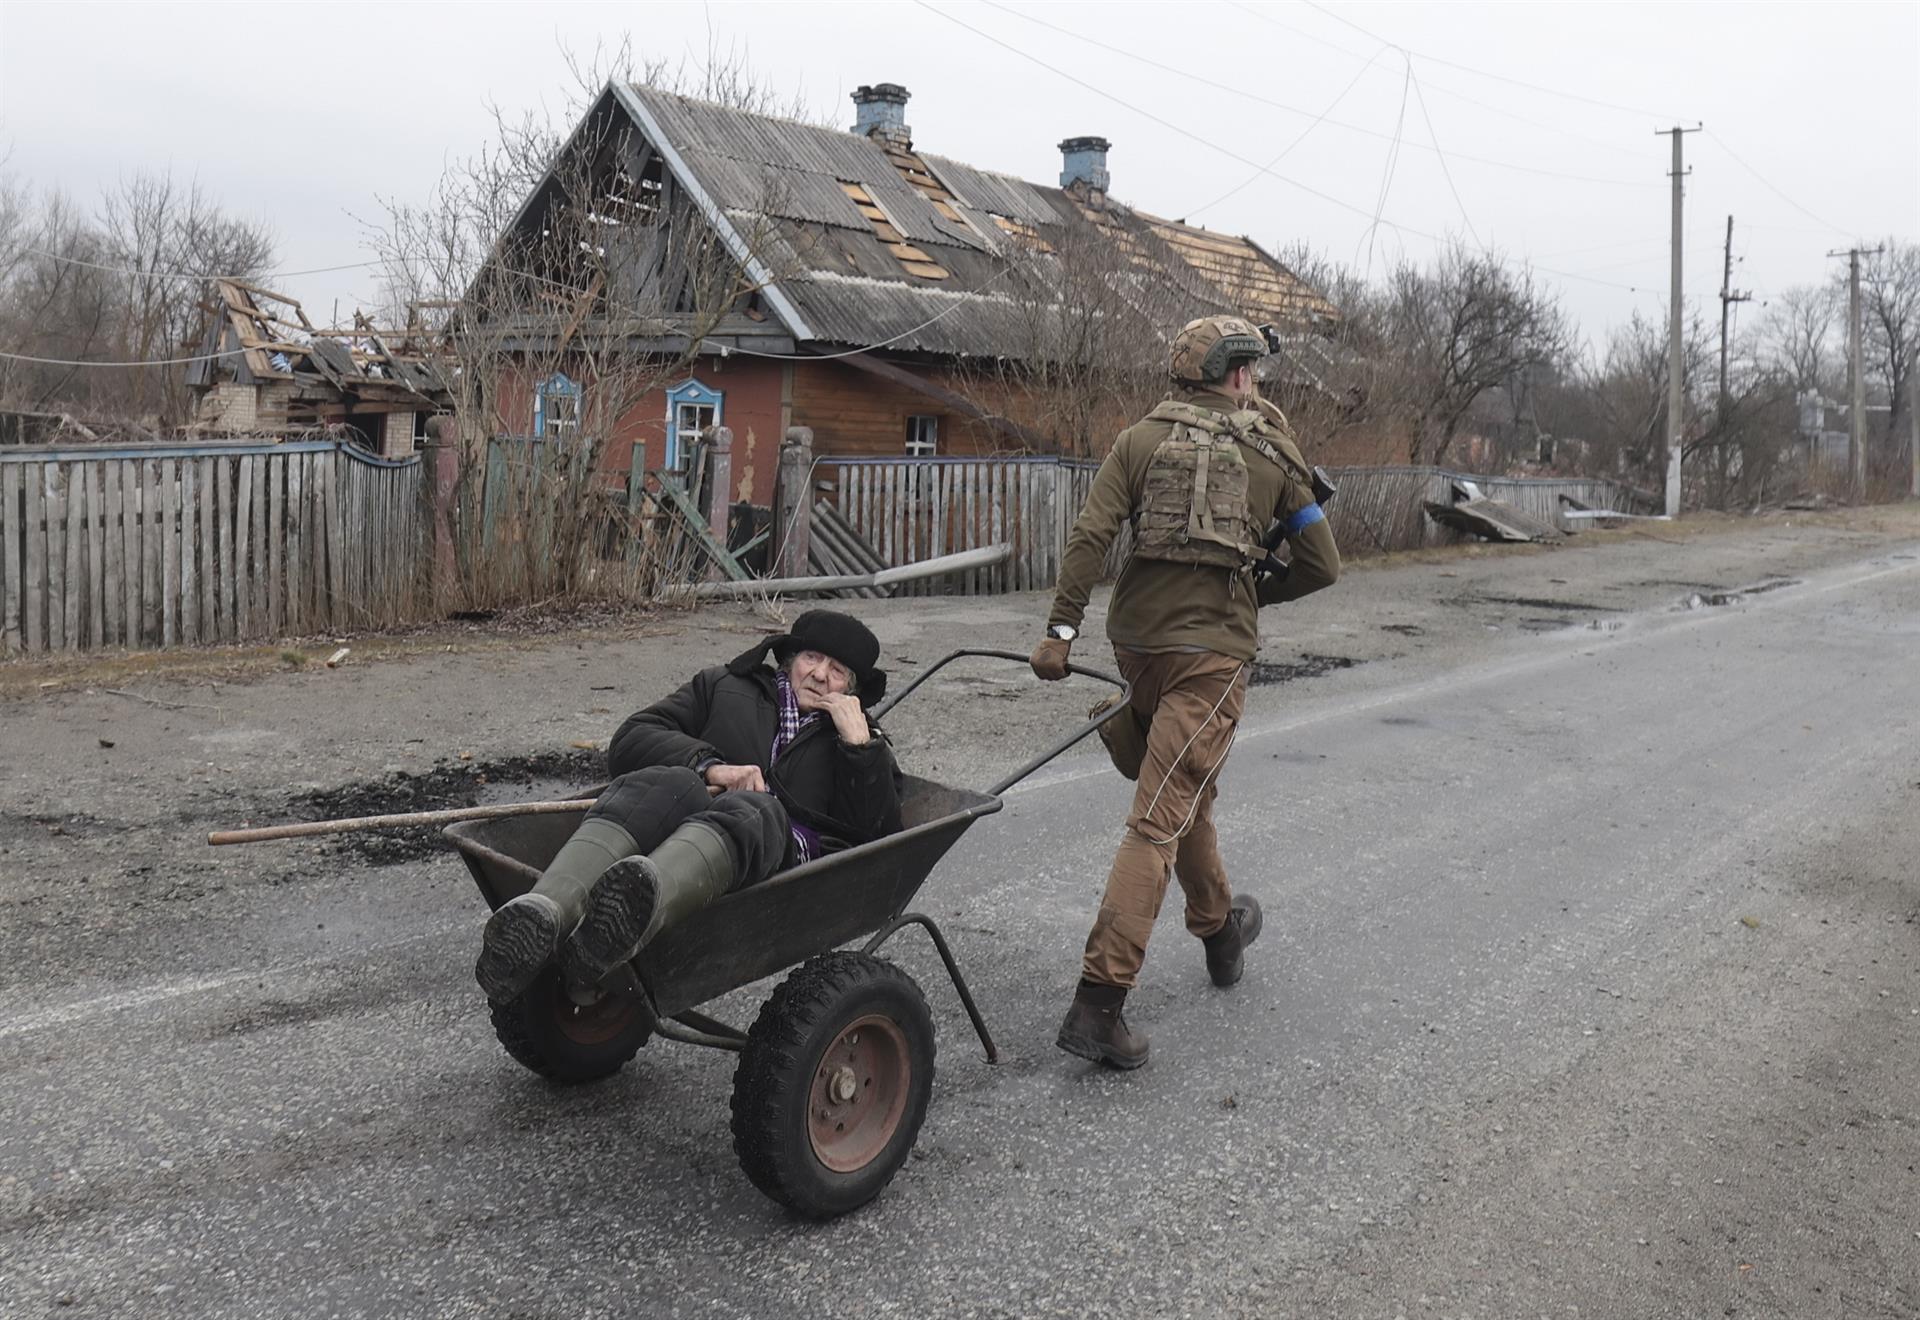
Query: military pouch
x=1123 y=736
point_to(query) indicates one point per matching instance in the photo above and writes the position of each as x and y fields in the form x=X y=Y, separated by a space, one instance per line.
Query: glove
x=1049 y=659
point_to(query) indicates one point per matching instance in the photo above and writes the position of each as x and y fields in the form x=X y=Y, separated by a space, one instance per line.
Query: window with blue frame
x=692 y=410
x=556 y=408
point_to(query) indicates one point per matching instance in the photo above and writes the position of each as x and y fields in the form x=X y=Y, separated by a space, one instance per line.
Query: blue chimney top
x=1084 y=160
x=881 y=111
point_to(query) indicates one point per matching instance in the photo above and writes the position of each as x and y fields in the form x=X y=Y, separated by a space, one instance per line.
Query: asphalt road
x=1588 y=988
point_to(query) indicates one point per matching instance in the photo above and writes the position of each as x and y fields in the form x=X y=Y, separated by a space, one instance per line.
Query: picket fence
x=143 y=546
x=909 y=509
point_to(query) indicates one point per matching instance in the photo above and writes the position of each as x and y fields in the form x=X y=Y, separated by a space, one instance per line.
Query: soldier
x=1201 y=477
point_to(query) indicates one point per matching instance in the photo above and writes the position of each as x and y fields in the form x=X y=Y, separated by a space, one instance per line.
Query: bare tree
x=1890 y=306
x=167 y=238
x=565 y=278
x=1466 y=326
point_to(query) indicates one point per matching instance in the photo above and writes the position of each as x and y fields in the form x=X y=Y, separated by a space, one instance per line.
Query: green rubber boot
x=638 y=897
x=525 y=932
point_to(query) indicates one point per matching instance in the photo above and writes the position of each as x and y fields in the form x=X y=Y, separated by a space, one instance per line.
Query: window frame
x=688 y=391
x=557 y=386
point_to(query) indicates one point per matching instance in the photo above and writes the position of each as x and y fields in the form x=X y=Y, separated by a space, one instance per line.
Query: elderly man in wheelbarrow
x=748 y=769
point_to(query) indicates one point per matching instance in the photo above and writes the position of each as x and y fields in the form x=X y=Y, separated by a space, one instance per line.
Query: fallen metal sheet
x=1592 y=514
x=1493 y=521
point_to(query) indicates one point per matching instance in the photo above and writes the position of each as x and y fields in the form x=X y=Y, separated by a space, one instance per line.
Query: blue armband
x=1297 y=523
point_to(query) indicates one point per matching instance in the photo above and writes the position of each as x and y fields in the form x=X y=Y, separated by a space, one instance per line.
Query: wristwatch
x=1063 y=632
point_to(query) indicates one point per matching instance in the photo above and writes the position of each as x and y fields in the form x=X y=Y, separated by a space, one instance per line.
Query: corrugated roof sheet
x=781 y=181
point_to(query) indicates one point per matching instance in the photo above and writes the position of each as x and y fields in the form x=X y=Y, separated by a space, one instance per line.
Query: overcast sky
x=1526 y=127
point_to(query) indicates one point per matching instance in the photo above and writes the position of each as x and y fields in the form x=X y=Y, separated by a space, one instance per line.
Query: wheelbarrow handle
x=1126 y=691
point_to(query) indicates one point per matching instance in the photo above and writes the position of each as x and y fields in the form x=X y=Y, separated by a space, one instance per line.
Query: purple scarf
x=806 y=843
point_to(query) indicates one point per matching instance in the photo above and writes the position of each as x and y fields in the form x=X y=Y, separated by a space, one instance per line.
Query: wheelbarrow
x=836 y=1072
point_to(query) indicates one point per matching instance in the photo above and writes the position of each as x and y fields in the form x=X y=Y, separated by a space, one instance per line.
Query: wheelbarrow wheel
x=570 y=1033
x=831 y=1089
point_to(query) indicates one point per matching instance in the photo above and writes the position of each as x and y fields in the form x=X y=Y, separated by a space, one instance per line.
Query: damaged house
x=264 y=369
x=686 y=265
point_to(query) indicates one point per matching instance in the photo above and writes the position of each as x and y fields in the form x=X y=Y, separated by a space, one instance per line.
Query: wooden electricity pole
x=1728 y=297
x=1676 y=349
x=1856 y=375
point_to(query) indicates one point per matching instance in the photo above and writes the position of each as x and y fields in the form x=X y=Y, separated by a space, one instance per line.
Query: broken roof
x=257 y=346
x=864 y=241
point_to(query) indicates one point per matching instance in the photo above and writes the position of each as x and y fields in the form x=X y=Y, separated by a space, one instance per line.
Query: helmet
x=1207 y=349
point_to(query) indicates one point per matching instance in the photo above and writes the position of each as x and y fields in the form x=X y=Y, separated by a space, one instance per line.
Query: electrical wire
x=1441 y=90
x=189 y=275
x=1393 y=159
x=156 y=362
x=1498 y=77
x=1164 y=123
x=1451 y=187
x=1722 y=143
x=1207 y=80
x=1288 y=149
x=1229 y=152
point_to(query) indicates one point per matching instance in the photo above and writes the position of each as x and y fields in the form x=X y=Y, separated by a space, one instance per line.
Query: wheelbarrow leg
x=953 y=970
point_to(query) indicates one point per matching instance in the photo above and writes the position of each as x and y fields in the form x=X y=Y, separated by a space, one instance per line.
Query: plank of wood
x=225 y=476
x=58 y=612
x=188 y=547
x=92 y=477
x=114 y=557
x=257 y=575
x=295 y=613
x=150 y=553
x=218 y=557
x=213 y=547
x=240 y=583
x=276 y=467
x=339 y=605
x=34 y=480
x=12 y=547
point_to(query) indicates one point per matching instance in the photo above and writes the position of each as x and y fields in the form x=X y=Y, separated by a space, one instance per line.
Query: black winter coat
x=729 y=713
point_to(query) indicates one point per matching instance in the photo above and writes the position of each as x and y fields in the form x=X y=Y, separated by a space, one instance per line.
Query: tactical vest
x=1194 y=504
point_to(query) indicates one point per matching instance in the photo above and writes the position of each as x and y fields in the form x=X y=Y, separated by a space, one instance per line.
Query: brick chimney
x=880 y=111
x=1083 y=160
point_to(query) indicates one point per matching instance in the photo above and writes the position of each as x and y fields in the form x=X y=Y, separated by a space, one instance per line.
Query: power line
x=157 y=362
x=1497 y=77
x=1393 y=160
x=1451 y=186
x=1207 y=80
x=189 y=275
x=1722 y=143
x=1164 y=123
x=1438 y=88
x=1228 y=152
x=1288 y=149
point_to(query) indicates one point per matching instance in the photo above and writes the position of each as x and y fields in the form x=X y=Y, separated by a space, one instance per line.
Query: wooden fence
x=909 y=509
x=142 y=546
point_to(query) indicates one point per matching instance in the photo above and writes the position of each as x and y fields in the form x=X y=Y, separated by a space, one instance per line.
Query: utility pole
x=1856 y=375
x=1676 y=352
x=1728 y=297
x=1913 y=430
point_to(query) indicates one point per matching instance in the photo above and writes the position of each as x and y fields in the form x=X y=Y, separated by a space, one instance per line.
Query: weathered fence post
x=443 y=476
x=793 y=505
x=720 y=472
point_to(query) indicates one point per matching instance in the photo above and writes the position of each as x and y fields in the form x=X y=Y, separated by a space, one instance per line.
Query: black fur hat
x=840 y=636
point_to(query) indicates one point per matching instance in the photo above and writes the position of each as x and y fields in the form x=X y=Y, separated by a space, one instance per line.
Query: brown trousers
x=1190 y=702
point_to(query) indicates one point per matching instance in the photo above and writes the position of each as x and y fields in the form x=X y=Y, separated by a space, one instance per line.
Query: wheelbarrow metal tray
x=764 y=928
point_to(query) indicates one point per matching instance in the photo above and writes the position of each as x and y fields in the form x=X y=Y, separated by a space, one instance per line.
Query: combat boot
x=1226 y=945
x=525 y=932
x=1096 y=1029
x=638 y=897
